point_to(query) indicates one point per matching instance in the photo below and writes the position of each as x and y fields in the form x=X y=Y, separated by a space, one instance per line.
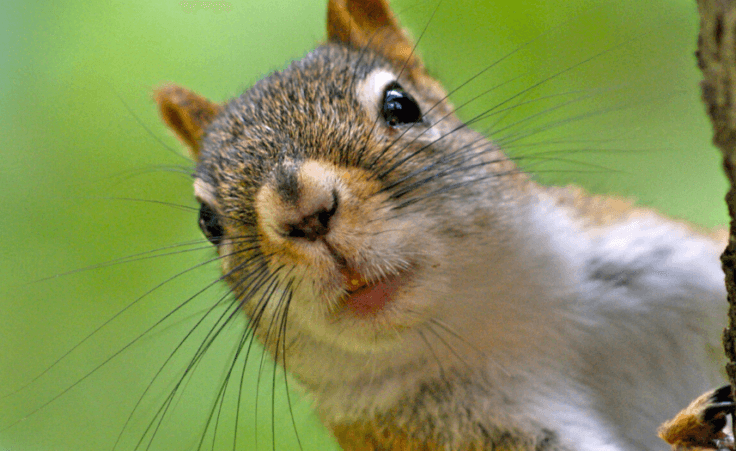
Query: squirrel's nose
x=300 y=202
x=314 y=225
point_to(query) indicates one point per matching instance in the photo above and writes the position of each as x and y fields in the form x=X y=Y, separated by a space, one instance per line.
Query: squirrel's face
x=327 y=189
x=337 y=190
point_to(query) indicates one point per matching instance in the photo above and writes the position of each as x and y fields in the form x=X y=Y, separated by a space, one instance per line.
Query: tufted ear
x=187 y=114
x=372 y=24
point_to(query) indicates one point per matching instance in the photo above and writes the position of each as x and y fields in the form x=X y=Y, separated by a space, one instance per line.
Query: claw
x=701 y=424
x=720 y=404
x=715 y=413
x=722 y=394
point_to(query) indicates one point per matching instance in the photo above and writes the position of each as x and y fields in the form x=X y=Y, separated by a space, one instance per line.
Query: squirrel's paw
x=700 y=425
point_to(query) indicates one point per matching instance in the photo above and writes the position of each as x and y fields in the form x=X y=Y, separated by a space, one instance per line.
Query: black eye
x=399 y=107
x=210 y=224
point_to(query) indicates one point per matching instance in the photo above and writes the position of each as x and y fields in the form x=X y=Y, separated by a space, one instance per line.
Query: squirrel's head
x=332 y=189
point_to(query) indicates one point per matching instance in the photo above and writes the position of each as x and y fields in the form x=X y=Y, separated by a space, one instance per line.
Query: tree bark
x=716 y=56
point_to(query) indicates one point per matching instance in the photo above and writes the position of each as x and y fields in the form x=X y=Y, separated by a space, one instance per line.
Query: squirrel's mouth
x=367 y=298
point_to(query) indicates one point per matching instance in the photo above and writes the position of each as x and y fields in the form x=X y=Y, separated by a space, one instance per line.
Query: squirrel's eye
x=210 y=224
x=399 y=107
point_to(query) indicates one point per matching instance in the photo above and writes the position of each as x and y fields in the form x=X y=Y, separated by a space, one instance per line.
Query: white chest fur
x=596 y=331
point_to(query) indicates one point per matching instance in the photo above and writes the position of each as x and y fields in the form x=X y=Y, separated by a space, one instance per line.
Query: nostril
x=324 y=218
x=315 y=225
x=312 y=227
x=295 y=232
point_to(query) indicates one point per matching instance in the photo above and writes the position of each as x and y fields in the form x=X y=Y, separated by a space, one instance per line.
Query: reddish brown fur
x=370 y=24
x=186 y=113
x=596 y=212
x=688 y=431
x=382 y=434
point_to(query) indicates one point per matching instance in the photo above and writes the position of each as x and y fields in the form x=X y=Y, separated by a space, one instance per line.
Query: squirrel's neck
x=529 y=309
x=382 y=434
x=424 y=424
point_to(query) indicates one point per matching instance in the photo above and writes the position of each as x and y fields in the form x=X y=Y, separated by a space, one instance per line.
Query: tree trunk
x=717 y=59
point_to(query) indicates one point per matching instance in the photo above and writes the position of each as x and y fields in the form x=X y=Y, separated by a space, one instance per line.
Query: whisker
x=266 y=299
x=146 y=255
x=143 y=124
x=434 y=354
x=478 y=74
x=260 y=273
x=463 y=126
x=174 y=352
x=121 y=350
x=448 y=345
x=286 y=373
x=511 y=138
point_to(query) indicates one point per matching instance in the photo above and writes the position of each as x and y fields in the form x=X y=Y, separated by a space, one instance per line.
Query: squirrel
x=425 y=292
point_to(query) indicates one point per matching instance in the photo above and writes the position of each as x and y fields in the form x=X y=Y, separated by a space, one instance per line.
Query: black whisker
x=286 y=373
x=452 y=350
x=143 y=124
x=128 y=345
x=260 y=272
x=176 y=349
x=434 y=354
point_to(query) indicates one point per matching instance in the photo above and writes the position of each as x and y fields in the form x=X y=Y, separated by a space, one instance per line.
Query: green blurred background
x=81 y=138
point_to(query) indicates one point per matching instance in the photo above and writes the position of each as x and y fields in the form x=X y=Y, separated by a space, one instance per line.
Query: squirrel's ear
x=370 y=23
x=186 y=113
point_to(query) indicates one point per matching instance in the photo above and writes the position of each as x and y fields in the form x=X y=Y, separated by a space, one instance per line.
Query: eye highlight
x=399 y=107
x=209 y=222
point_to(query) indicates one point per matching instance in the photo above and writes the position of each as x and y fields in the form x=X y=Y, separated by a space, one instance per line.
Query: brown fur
x=186 y=113
x=383 y=434
x=596 y=212
x=422 y=423
x=370 y=24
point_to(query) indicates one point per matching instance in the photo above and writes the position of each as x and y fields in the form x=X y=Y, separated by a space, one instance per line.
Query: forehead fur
x=308 y=110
